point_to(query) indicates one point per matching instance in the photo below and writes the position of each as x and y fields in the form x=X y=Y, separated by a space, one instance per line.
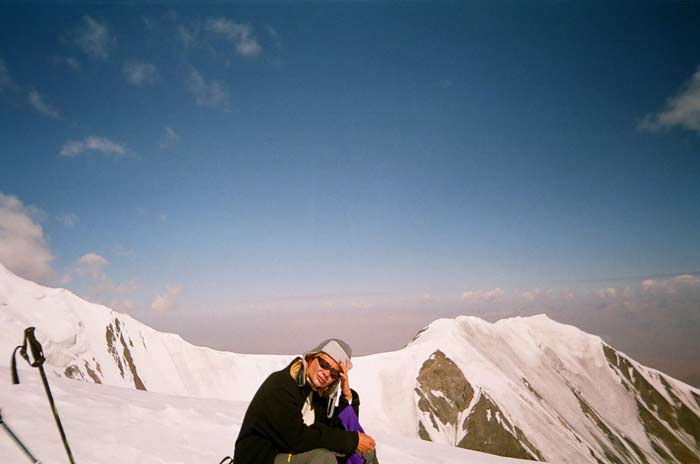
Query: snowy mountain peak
x=553 y=392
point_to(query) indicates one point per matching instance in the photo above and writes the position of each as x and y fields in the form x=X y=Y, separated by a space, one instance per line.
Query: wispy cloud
x=240 y=35
x=361 y=305
x=274 y=35
x=612 y=292
x=149 y=23
x=681 y=110
x=169 y=138
x=188 y=35
x=92 y=265
x=93 y=38
x=93 y=144
x=91 y=269
x=168 y=300
x=154 y=24
x=210 y=94
x=68 y=219
x=671 y=287
x=121 y=250
x=537 y=294
x=67 y=61
x=38 y=103
x=138 y=73
x=482 y=295
x=6 y=81
x=23 y=247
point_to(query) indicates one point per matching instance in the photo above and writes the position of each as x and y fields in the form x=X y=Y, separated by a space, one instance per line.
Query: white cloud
x=482 y=295
x=155 y=24
x=5 y=79
x=169 y=138
x=649 y=296
x=23 y=248
x=361 y=305
x=272 y=32
x=38 y=103
x=537 y=294
x=92 y=269
x=67 y=61
x=93 y=38
x=138 y=73
x=187 y=36
x=92 y=265
x=167 y=301
x=68 y=219
x=623 y=297
x=206 y=93
x=682 y=110
x=121 y=250
x=93 y=144
x=610 y=292
x=687 y=279
x=240 y=35
x=671 y=286
x=149 y=23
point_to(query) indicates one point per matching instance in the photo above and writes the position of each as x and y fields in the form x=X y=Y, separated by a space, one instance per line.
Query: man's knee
x=324 y=457
x=317 y=456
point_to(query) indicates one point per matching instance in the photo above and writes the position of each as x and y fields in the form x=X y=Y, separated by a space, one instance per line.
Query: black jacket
x=273 y=423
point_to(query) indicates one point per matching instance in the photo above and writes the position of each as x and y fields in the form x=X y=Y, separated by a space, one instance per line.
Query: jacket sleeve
x=355 y=403
x=320 y=409
x=290 y=432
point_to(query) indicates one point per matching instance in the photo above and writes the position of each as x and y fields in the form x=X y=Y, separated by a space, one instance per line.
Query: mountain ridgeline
x=527 y=388
x=559 y=388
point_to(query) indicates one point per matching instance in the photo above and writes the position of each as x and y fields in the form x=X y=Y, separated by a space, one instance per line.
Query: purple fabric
x=352 y=424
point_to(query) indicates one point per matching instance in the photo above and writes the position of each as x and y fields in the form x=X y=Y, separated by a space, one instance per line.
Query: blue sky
x=213 y=166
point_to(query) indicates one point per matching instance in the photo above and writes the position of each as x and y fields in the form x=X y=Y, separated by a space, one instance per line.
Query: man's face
x=321 y=371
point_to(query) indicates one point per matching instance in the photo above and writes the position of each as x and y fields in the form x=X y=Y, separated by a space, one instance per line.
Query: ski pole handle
x=35 y=347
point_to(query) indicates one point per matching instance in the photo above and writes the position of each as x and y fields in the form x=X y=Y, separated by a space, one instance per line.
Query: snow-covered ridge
x=91 y=342
x=522 y=387
x=573 y=397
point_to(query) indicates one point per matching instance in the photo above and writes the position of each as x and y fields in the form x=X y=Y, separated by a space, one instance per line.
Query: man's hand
x=365 y=443
x=345 y=382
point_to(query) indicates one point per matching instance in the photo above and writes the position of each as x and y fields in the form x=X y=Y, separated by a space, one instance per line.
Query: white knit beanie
x=335 y=348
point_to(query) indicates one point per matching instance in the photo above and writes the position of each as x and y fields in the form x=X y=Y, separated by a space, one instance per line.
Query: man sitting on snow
x=293 y=417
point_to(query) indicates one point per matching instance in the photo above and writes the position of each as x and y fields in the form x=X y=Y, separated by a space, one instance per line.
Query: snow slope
x=91 y=342
x=522 y=387
x=107 y=425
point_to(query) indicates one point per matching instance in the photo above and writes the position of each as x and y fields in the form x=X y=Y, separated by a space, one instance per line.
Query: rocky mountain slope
x=536 y=389
x=525 y=387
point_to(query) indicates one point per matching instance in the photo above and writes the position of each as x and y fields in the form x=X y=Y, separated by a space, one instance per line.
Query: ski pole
x=38 y=356
x=17 y=440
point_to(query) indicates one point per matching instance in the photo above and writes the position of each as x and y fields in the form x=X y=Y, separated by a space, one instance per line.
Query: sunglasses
x=327 y=367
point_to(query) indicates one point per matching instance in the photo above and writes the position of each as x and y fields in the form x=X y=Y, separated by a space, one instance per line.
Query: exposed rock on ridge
x=672 y=427
x=466 y=417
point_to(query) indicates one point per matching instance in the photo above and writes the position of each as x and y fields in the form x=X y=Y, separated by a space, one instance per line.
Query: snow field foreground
x=107 y=425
